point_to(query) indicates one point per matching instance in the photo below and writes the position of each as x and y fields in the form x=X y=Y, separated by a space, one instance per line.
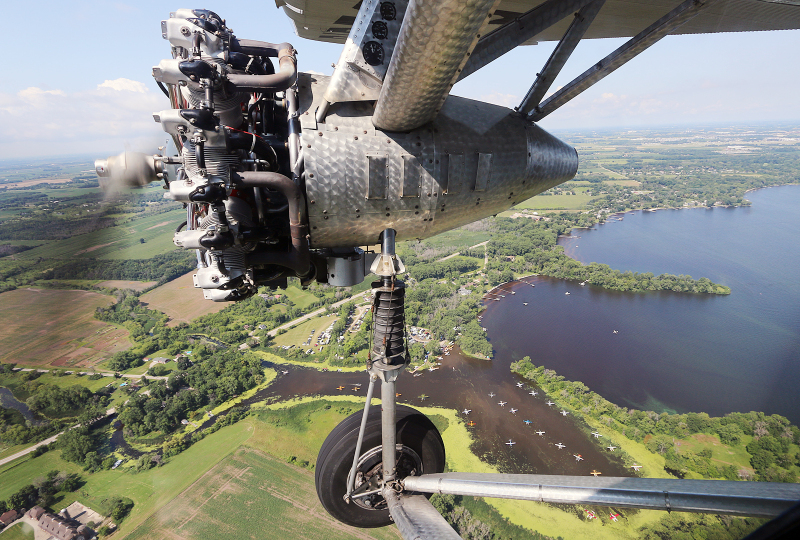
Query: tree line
x=771 y=449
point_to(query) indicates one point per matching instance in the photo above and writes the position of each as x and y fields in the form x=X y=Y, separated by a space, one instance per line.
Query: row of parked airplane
x=560 y=446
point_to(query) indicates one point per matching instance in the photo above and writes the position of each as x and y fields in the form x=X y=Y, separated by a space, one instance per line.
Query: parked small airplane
x=513 y=410
x=564 y=413
x=519 y=385
x=611 y=448
x=550 y=403
x=527 y=422
x=340 y=388
x=596 y=473
x=578 y=457
x=471 y=423
x=540 y=433
x=502 y=403
x=596 y=435
x=561 y=446
x=636 y=467
x=466 y=411
x=533 y=393
x=491 y=394
x=510 y=442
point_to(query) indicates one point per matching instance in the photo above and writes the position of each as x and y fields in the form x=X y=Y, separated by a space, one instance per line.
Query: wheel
x=420 y=450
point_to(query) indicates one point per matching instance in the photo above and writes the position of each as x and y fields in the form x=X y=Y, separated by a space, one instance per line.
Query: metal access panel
x=412 y=175
x=377 y=174
x=484 y=172
x=455 y=173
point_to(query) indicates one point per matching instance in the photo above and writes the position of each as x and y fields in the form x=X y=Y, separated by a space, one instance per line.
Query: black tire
x=414 y=431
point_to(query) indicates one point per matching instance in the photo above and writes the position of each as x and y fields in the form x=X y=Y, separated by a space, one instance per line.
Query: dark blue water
x=672 y=351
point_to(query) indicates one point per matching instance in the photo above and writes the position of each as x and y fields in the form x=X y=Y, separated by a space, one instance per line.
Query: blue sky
x=77 y=76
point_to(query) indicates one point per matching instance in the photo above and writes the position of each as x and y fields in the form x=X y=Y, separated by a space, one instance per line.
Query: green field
x=556 y=202
x=223 y=502
x=118 y=242
x=24 y=470
x=20 y=531
x=457 y=239
x=300 y=298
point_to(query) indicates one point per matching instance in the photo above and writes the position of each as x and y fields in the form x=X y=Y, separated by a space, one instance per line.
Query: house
x=60 y=527
x=9 y=517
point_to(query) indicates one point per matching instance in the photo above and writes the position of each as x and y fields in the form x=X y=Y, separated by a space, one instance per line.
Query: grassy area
x=457 y=240
x=118 y=242
x=11 y=450
x=154 y=489
x=24 y=470
x=13 y=382
x=555 y=202
x=40 y=327
x=221 y=504
x=299 y=334
x=300 y=298
x=269 y=357
x=720 y=453
x=19 y=531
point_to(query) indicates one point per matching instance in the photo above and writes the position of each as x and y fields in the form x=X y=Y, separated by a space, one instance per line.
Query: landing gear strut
x=358 y=462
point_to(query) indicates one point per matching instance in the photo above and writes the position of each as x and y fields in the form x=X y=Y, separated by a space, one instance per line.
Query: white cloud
x=124 y=85
x=113 y=115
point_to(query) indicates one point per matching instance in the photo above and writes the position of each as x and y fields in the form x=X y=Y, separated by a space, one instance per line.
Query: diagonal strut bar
x=494 y=45
x=560 y=56
x=626 y=52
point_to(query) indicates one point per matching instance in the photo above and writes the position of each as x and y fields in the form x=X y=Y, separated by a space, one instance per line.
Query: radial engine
x=271 y=191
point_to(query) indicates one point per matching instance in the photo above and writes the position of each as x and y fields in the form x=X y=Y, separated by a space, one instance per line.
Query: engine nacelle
x=272 y=192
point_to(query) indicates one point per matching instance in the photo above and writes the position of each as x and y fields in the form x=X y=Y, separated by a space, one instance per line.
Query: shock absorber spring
x=388 y=321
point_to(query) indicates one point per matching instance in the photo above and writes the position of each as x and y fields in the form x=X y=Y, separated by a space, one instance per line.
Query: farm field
x=181 y=301
x=555 y=202
x=118 y=242
x=41 y=327
x=221 y=504
x=124 y=284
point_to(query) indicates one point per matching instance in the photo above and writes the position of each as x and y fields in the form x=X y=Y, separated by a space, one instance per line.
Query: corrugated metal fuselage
x=474 y=160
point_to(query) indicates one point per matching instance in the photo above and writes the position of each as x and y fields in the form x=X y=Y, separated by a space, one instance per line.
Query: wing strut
x=759 y=499
x=494 y=45
x=626 y=52
x=560 y=56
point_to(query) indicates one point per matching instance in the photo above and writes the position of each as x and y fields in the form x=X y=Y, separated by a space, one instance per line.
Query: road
x=103 y=373
x=307 y=316
x=30 y=449
x=485 y=256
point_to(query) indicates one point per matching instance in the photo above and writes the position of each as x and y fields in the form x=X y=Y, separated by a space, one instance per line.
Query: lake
x=671 y=351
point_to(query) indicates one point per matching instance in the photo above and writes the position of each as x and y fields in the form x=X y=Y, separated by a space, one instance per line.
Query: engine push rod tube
x=283 y=79
x=299 y=256
x=758 y=499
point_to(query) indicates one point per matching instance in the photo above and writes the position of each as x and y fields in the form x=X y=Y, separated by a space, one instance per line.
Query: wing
x=331 y=20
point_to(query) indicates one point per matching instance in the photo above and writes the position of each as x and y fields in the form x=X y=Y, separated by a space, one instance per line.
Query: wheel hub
x=369 y=477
